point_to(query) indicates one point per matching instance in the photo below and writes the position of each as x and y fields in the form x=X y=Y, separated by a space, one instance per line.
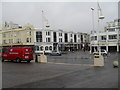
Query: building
x=48 y=40
x=108 y=39
x=44 y=39
x=15 y=35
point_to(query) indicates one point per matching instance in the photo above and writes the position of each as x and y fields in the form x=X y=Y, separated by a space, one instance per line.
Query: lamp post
x=92 y=17
x=93 y=26
x=100 y=16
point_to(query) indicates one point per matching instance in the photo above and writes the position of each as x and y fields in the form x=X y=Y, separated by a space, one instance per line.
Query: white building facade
x=109 y=39
x=48 y=40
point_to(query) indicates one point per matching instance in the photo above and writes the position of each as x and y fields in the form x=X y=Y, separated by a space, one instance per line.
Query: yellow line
x=71 y=64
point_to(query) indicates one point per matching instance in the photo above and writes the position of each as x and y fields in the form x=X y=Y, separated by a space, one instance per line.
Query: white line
x=71 y=64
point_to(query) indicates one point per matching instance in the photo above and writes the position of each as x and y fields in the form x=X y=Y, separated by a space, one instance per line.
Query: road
x=78 y=57
x=71 y=74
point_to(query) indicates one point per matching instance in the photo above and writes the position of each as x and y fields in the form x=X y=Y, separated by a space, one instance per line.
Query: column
x=117 y=48
x=107 y=48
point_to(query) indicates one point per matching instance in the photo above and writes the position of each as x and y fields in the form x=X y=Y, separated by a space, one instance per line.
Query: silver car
x=55 y=53
x=103 y=52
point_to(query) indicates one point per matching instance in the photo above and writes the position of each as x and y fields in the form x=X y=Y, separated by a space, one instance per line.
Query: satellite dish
x=101 y=17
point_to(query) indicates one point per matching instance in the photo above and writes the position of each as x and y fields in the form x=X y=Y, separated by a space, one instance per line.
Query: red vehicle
x=17 y=54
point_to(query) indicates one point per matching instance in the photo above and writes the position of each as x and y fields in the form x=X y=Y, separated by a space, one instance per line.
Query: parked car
x=103 y=52
x=17 y=54
x=55 y=53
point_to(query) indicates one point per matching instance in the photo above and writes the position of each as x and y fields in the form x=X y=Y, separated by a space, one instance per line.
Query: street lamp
x=93 y=26
x=100 y=16
x=93 y=17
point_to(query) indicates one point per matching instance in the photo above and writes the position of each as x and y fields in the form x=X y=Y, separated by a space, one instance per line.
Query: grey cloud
x=71 y=16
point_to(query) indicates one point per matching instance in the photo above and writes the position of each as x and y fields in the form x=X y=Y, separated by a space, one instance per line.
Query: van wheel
x=28 y=61
x=18 y=60
x=2 y=59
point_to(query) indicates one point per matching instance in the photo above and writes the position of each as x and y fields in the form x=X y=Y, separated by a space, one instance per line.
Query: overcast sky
x=69 y=16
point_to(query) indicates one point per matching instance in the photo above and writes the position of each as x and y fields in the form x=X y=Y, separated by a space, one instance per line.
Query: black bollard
x=36 y=58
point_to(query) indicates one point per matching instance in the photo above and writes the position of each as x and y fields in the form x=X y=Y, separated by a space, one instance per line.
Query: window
x=27 y=40
x=30 y=39
x=18 y=40
x=50 y=48
x=75 y=38
x=47 y=33
x=46 y=48
x=93 y=38
x=70 y=35
x=30 y=33
x=48 y=39
x=113 y=36
x=66 y=37
x=117 y=29
x=81 y=38
x=37 y=48
x=10 y=40
x=60 y=34
x=39 y=36
x=54 y=37
x=4 y=41
x=119 y=36
x=111 y=30
x=103 y=37
x=61 y=39
x=4 y=35
x=41 y=48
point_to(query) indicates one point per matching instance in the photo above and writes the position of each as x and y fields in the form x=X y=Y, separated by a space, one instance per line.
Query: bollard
x=36 y=58
x=42 y=58
x=115 y=64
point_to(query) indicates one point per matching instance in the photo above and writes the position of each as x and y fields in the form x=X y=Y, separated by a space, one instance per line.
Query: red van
x=17 y=54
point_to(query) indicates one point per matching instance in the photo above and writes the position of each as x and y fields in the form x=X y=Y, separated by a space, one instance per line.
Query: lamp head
x=101 y=17
x=92 y=8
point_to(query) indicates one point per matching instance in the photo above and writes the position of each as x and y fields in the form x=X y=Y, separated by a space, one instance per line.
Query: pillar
x=107 y=48
x=117 y=48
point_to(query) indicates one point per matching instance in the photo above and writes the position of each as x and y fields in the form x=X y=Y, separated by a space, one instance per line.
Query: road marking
x=71 y=64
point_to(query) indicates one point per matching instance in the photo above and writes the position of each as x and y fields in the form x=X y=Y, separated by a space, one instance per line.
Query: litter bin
x=98 y=60
x=42 y=58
